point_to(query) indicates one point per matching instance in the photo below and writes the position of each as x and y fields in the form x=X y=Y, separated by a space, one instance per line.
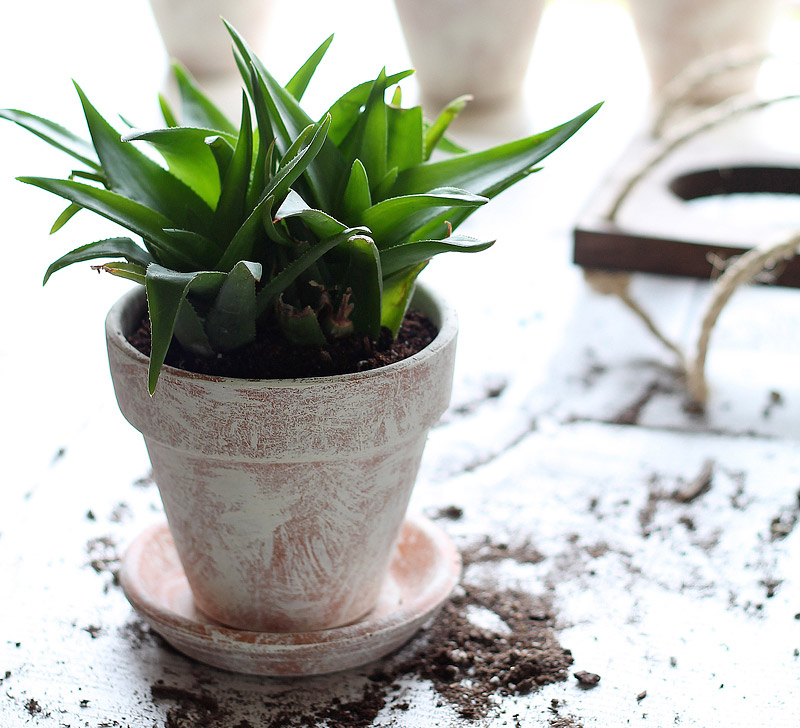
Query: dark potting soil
x=272 y=357
x=468 y=666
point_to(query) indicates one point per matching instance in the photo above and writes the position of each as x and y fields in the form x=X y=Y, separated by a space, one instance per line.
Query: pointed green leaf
x=137 y=177
x=367 y=140
x=231 y=322
x=109 y=248
x=344 y=112
x=288 y=120
x=243 y=243
x=166 y=111
x=231 y=208
x=397 y=291
x=129 y=271
x=319 y=222
x=300 y=327
x=435 y=131
x=483 y=171
x=262 y=162
x=299 y=82
x=190 y=331
x=381 y=190
x=408 y=254
x=196 y=108
x=65 y=217
x=297 y=159
x=188 y=157
x=287 y=276
x=166 y=290
x=222 y=150
x=404 y=137
x=356 y=194
x=395 y=219
x=365 y=280
x=55 y=135
x=141 y=220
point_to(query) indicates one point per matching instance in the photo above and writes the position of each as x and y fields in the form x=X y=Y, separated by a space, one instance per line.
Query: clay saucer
x=425 y=568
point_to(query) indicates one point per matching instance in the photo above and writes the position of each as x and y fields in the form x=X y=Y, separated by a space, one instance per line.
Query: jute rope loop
x=742 y=271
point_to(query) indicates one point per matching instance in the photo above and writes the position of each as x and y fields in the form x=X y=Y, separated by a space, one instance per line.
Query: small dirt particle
x=452 y=513
x=33 y=707
x=641 y=696
x=587 y=679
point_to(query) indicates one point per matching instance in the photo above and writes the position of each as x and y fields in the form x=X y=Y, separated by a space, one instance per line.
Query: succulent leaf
x=397 y=218
x=319 y=222
x=231 y=207
x=108 y=248
x=282 y=280
x=345 y=110
x=65 y=217
x=188 y=157
x=166 y=291
x=137 y=218
x=404 y=137
x=137 y=177
x=397 y=291
x=299 y=82
x=405 y=255
x=55 y=135
x=357 y=197
x=366 y=141
x=231 y=321
x=366 y=285
x=435 y=132
x=196 y=108
x=487 y=170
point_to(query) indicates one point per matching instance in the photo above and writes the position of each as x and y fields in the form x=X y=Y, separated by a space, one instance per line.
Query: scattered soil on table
x=199 y=710
x=489 y=551
x=469 y=666
x=104 y=558
x=272 y=357
x=33 y=707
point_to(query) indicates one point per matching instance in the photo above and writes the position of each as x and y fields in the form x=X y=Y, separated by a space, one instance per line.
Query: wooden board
x=657 y=229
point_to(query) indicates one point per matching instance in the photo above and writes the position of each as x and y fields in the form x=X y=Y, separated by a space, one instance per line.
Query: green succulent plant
x=322 y=225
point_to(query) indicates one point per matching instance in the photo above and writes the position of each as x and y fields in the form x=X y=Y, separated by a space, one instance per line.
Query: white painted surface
x=525 y=465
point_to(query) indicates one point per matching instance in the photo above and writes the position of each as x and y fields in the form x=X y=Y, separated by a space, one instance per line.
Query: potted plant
x=284 y=492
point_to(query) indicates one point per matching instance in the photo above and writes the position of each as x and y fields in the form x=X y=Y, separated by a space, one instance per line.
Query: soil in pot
x=272 y=357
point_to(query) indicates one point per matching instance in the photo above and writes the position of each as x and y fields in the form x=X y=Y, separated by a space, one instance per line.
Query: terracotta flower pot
x=285 y=498
x=675 y=34
x=470 y=46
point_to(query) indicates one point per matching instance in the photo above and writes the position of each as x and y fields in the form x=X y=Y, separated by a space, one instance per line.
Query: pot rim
x=433 y=305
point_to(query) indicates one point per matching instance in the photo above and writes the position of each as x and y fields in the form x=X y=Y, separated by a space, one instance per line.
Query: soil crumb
x=33 y=707
x=192 y=710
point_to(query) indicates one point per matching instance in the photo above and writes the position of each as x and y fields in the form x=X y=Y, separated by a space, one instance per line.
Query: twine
x=741 y=271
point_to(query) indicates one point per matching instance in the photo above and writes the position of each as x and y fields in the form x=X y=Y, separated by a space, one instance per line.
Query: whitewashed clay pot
x=285 y=498
x=194 y=34
x=677 y=34
x=470 y=46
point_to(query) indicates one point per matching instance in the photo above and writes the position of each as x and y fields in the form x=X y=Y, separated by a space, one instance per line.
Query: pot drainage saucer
x=423 y=572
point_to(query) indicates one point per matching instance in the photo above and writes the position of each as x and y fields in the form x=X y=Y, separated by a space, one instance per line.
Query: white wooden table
x=566 y=429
